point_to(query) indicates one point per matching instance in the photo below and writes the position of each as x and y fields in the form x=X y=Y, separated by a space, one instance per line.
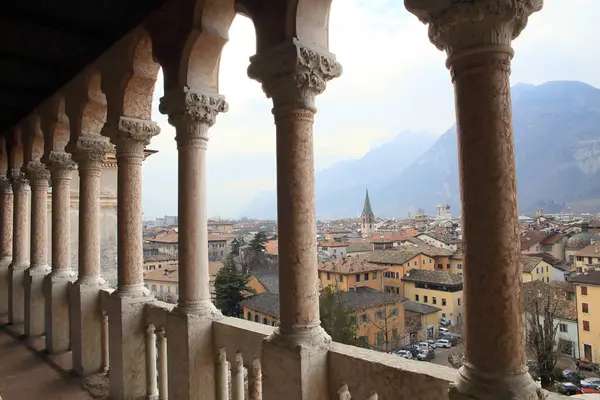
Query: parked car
x=443 y=343
x=426 y=346
x=404 y=353
x=586 y=365
x=589 y=388
x=451 y=338
x=569 y=389
x=591 y=381
x=443 y=331
x=444 y=322
x=426 y=355
x=572 y=375
x=412 y=348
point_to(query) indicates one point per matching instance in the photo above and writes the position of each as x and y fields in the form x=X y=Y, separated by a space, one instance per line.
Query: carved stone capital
x=20 y=183
x=5 y=185
x=192 y=113
x=91 y=149
x=458 y=25
x=130 y=136
x=293 y=74
x=60 y=164
x=37 y=173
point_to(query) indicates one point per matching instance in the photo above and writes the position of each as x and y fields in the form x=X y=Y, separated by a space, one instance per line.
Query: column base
x=34 y=300
x=294 y=365
x=16 y=294
x=191 y=354
x=56 y=303
x=127 y=346
x=472 y=384
x=4 y=285
x=86 y=325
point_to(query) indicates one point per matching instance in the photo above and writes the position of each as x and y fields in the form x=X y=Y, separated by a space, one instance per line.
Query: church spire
x=367 y=211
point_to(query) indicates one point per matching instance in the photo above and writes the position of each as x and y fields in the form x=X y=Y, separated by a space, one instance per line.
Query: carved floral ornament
x=92 y=148
x=60 y=160
x=459 y=24
x=36 y=172
x=5 y=184
x=292 y=72
x=137 y=130
x=19 y=181
x=192 y=107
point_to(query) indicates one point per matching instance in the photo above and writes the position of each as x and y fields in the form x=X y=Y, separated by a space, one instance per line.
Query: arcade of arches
x=190 y=351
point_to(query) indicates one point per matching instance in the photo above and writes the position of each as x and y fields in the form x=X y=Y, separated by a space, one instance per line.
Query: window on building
x=397 y=275
x=364 y=319
x=562 y=327
x=341 y=278
x=169 y=289
x=424 y=299
x=589 y=260
x=161 y=288
x=423 y=261
x=584 y=290
x=249 y=316
x=579 y=258
x=585 y=308
x=255 y=317
x=265 y=321
x=394 y=312
x=537 y=270
x=328 y=276
x=395 y=334
x=379 y=338
x=380 y=314
x=416 y=297
x=547 y=279
x=357 y=277
x=546 y=268
x=434 y=300
x=443 y=315
x=459 y=266
x=586 y=325
x=272 y=323
x=459 y=301
x=154 y=288
x=443 y=302
x=374 y=275
x=440 y=266
x=448 y=266
x=366 y=276
x=430 y=261
x=415 y=263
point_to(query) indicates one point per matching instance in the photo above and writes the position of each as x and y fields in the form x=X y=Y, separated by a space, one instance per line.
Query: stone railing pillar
x=293 y=74
x=126 y=304
x=477 y=38
x=189 y=325
x=86 y=317
x=6 y=235
x=20 y=260
x=57 y=282
x=39 y=268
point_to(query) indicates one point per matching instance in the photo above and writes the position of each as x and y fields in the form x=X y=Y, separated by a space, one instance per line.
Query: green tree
x=231 y=288
x=235 y=246
x=336 y=318
x=257 y=244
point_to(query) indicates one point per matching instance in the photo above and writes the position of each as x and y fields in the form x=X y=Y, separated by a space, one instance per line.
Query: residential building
x=457 y=262
x=220 y=227
x=587 y=295
x=540 y=294
x=351 y=273
x=396 y=263
x=536 y=269
x=358 y=249
x=367 y=218
x=588 y=257
x=159 y=261
x=443 y=211
x=436 y=288
x=164 y=282
x=577 y=242
x=333 y=249
x=536 y=241
x=218 y=247
x=264 y=281
x=441 y=240
x=421 y=321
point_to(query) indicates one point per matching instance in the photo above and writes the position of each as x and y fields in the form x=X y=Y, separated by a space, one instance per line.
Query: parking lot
x=441 y=355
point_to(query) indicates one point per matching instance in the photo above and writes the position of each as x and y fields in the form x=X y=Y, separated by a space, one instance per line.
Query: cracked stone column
x=39 y=268
x=86 y=317
x=477 y=38
x=192 y=113
x=126 y=306
x=20 y=261
x=57 y=282
x=6 y=235
x=293 y=74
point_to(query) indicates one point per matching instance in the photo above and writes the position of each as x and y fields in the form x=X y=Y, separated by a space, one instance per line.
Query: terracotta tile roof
x=219 y=238
x=159 y=257
x=365 y=297
x=266 y=302
x=531 y=238
x=269 y=279
x=436 y=276
x=592 y=250
x=350 y=265
x=331 y=244
x=552 y=238
x=444 y=238
x=555 y=262
x=167 y=274
x=565 y=286
x=170 y=237
x=591 y=277
x=542 y=293
x=458 y=256
x=529 y=263
x=272 y=247
x=392 y=257
x=359 y=247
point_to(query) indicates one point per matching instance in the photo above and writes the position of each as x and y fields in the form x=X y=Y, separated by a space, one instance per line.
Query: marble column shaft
x=20 y=261
x=86 y=317
x=57 y=282
x=477 y=38
x=6 y=235
x=34 y=276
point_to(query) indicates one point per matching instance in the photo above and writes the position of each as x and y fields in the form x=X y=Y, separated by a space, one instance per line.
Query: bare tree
x=391 y=333
x=541 y=337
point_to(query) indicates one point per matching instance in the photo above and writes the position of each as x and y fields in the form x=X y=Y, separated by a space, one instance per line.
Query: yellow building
x=351 y=273
x=587 y=257
x=160 y=261
x=379 y=315
x=220 y=227
x=436 y=288
x=536 y=269
x=421 y=321
x=587 y=295
x=457 y=263
x=164 y=282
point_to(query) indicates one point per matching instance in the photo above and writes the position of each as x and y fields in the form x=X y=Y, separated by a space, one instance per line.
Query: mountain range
x=557 y=150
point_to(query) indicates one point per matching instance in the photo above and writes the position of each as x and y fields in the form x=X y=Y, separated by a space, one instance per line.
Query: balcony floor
x=25 y=375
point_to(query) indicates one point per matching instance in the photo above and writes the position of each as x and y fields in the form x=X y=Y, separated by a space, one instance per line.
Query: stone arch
x=54 y=124
x=14 y=147
x=305 y=20
x=3 y=156
x=32 y=139
x=85 y=105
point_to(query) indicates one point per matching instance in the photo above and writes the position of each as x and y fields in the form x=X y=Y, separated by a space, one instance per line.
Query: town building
x=436 y=288
x=588 y=257
x=441 y=240
x=351 y=273
x=397 y=263
x=220 y=227
x=159 y=261
x=535 y=242
x=443 y=211
x=333 y=249
x=535 y=268
x=577 y=242
x=367 y=218
x=587 y=295
x=163 y=282
x=421 y=321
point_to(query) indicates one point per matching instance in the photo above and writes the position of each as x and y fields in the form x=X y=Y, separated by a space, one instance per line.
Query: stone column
x=39 y=268
x=477 y=38
x=20 y=261
x=57 y=282
x=293 y=75
x=86 y=317
x=192 y=114
x=6 y=234
x=126 y=307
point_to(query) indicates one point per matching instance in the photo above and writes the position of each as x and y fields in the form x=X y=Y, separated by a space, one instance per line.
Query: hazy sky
x=394 y=80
